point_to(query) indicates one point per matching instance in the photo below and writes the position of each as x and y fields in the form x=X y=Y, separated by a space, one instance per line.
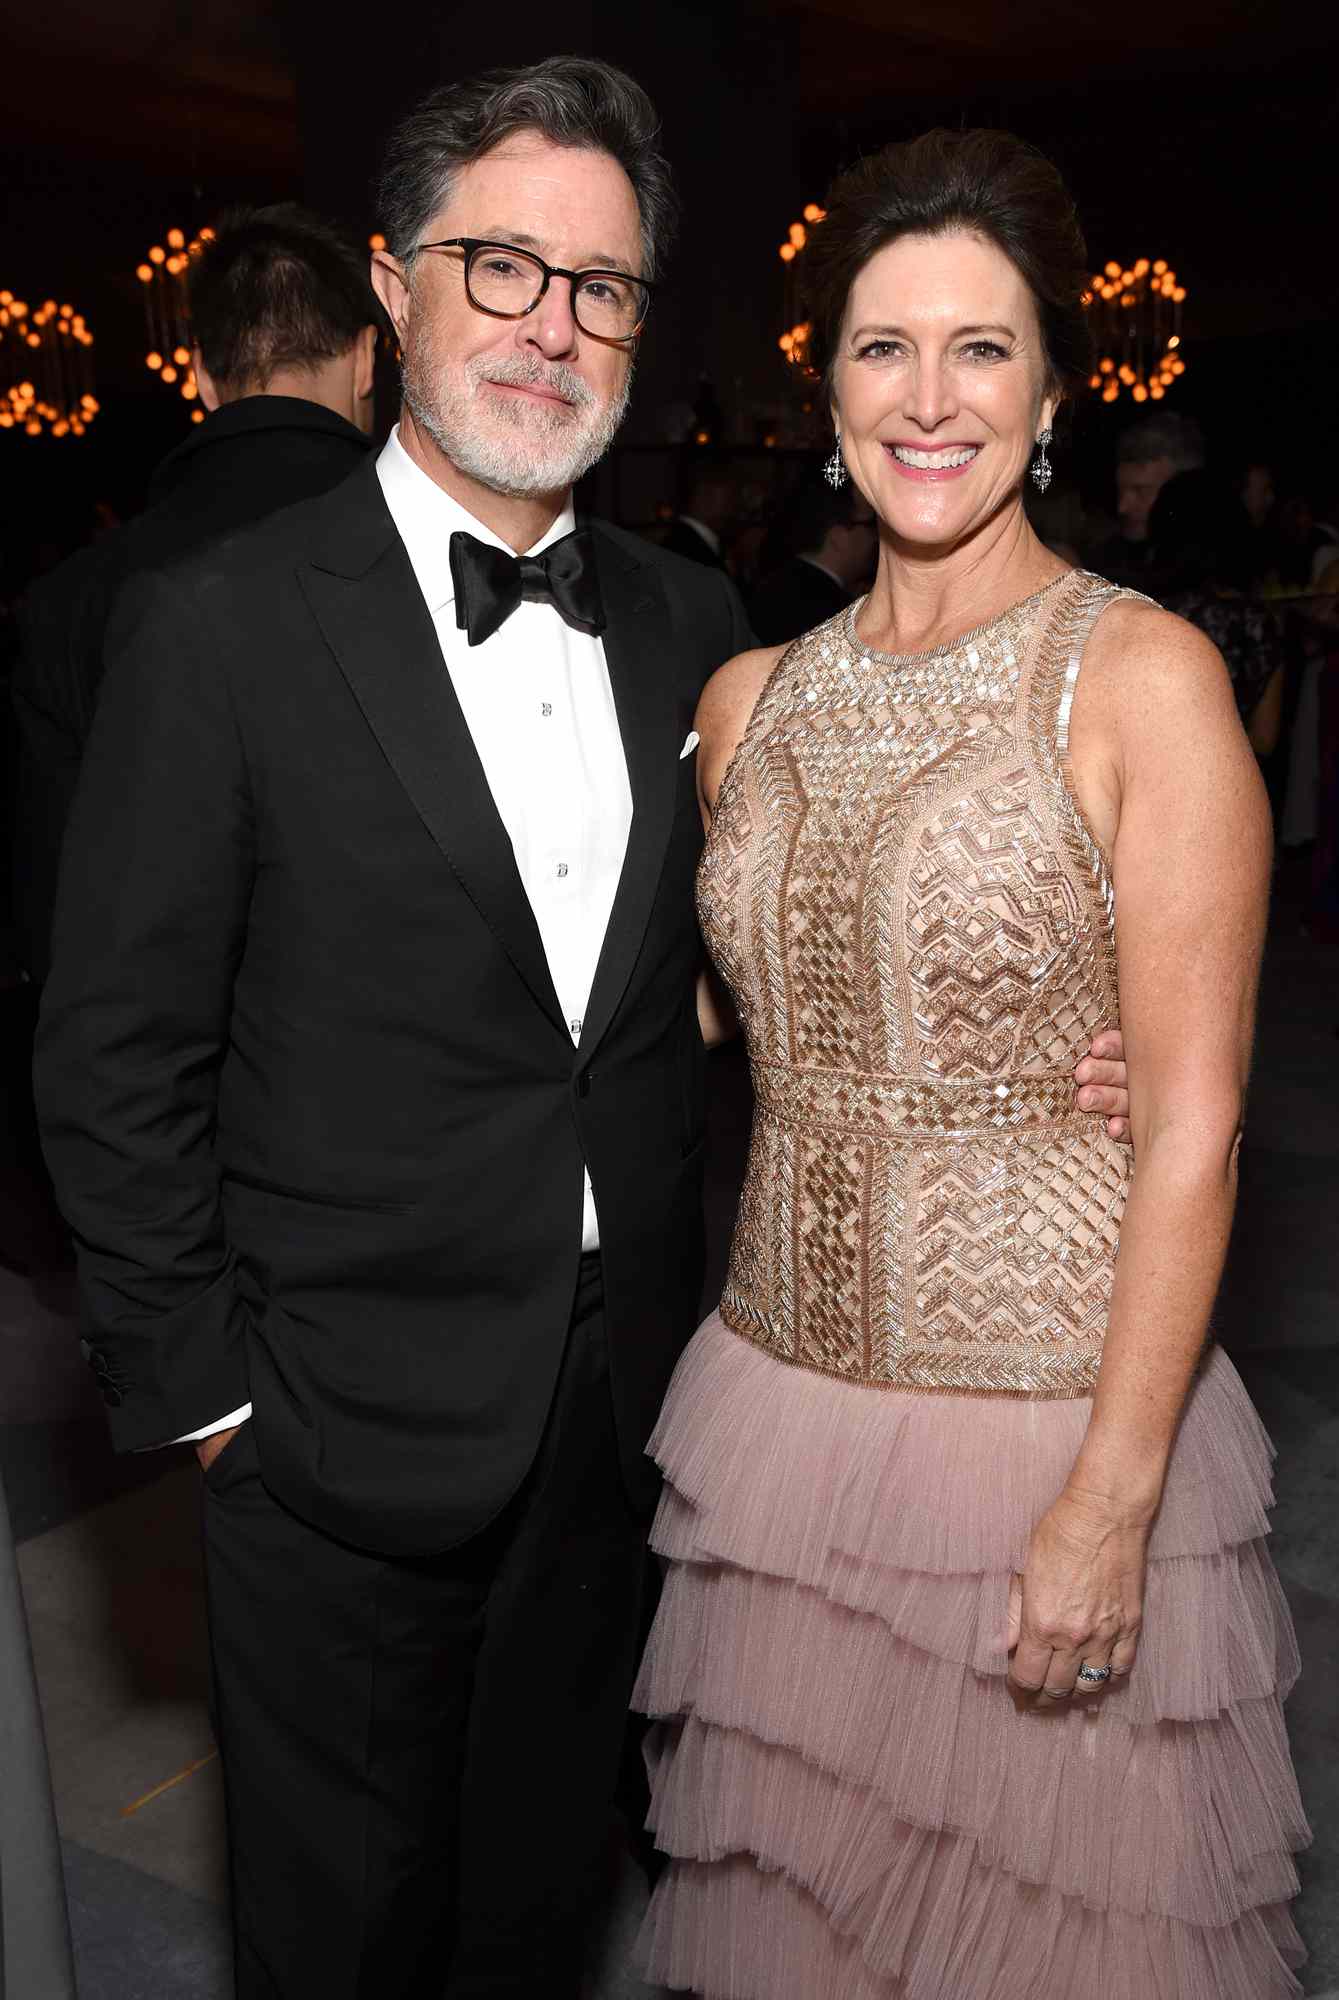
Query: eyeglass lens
x=509 y=282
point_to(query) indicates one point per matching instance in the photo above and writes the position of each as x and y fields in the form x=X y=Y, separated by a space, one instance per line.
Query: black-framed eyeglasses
x=509 y=283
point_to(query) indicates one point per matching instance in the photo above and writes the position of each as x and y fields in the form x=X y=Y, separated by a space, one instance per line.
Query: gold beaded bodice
x=918 y=929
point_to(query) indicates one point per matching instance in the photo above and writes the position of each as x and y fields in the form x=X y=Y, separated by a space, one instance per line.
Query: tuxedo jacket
x=309 y=1099
x=247 y=460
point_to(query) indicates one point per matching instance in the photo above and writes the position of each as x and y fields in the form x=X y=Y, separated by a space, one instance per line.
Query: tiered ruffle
x=853 y=1801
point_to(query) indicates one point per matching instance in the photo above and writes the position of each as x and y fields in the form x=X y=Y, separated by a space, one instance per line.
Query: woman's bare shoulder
x=730 y=696
x=1142 y=663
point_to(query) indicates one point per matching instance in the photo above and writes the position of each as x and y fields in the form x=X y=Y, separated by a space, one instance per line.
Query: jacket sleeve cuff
x=228 y=1423
x=168 y=1376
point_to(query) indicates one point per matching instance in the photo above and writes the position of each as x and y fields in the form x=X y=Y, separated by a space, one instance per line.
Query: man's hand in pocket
x=209 y=1448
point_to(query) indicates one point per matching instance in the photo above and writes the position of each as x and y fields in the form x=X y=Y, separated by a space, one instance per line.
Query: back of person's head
x=981 y=183
x=1200 y=536
x=1167 y=435
x=568 y=100
x=276 y=289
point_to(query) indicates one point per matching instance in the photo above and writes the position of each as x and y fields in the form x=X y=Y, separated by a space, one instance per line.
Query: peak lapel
x=368 y=605
x=638 y=650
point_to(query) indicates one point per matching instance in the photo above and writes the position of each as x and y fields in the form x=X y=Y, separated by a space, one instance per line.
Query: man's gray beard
x=551 y=448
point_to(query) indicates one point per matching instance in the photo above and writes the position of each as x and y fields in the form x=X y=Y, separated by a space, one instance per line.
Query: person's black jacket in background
x=245 y=461
x=792 y=600
x=308 y=1097
x=682 y=539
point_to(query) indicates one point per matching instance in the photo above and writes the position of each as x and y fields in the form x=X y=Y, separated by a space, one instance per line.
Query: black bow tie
x=491 y=582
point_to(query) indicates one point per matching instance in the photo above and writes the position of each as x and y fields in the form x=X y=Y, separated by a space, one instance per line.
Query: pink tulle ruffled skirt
x=852 y=1801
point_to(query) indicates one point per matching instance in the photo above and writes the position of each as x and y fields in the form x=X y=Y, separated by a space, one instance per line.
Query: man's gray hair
x=571 y=100
x=1167 y=435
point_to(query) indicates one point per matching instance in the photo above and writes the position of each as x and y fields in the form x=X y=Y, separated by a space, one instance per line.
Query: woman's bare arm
x=1167 y=777
x=723 y=713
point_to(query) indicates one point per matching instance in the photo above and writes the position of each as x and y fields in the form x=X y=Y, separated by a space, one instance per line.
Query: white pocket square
x=693 y=740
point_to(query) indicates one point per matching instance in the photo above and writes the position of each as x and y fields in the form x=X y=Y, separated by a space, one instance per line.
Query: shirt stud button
x=562 y=869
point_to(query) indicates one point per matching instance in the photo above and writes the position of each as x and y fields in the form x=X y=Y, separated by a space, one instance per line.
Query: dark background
x=1199 y=132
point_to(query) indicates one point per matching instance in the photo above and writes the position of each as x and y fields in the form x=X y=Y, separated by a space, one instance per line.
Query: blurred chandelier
x=167 y=313
x=1136 y=315
x=794 y=342
x=46 y=369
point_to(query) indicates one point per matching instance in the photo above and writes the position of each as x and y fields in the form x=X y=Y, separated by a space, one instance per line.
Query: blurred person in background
x=701 y=528
x=1059 y=519
x=285 y=325
x=1148 y=454
x=1205 y=557
x=834 y=540
x=1326 y=557
x=1297 y=544
x=1256 y=492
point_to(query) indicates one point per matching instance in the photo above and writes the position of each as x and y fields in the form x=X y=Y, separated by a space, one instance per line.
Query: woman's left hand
x=1079 y=1601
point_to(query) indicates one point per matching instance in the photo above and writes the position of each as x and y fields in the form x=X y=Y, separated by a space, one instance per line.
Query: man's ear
x=209 y=395
x=392 y=287
x=365 y=363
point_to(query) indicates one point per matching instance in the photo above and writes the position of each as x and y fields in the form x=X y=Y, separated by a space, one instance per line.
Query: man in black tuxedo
x=285 y=327
x=372 y=1083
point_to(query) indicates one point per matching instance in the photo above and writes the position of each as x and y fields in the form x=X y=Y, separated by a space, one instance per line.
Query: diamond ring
x=1094 y=1676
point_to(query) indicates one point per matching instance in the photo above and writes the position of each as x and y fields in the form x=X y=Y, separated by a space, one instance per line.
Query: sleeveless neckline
x=946 y=646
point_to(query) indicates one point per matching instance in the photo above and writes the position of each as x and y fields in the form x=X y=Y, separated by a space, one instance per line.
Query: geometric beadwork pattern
x=918 y=929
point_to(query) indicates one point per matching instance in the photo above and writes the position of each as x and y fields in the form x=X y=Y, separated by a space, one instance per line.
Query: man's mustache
x=519 y=372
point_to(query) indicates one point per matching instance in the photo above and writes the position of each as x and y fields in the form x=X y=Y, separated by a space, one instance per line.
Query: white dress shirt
x=538 y=702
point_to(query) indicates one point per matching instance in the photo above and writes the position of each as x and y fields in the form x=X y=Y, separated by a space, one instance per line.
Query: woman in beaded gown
x=969 y=1668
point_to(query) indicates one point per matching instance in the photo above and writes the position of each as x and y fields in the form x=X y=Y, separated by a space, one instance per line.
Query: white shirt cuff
x=228 y=1423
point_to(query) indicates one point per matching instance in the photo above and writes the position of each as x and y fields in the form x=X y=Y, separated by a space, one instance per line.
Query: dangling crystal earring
x=834 y=471
x=1041 y=471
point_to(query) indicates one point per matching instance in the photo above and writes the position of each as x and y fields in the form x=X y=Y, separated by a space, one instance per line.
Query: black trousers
x=419 y=1756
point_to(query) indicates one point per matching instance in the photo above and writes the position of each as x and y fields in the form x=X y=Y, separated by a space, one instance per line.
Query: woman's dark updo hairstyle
x=989 y=183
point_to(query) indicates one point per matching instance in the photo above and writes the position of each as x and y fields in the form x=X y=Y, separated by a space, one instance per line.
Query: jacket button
x=583 y=1084
x=111 y=1395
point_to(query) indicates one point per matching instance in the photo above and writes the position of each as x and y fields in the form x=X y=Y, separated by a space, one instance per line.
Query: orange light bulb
x=169 y=374
x=176 y=240
x=154 y=361
x=157 y=255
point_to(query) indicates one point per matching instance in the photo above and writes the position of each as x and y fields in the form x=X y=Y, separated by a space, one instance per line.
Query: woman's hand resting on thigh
x=1080 y=1599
